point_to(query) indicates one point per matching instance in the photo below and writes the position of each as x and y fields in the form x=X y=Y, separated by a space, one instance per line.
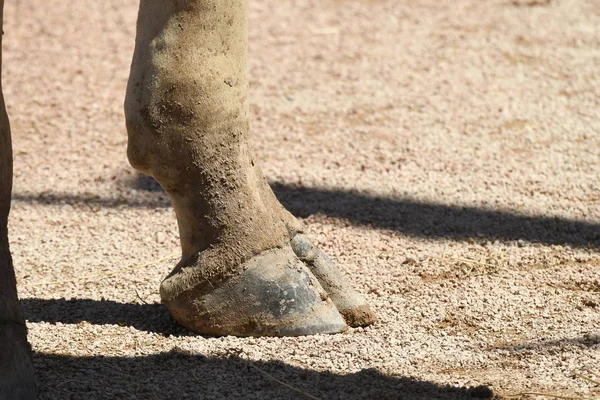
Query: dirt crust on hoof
x=274 y=294
x=359 y=316
x=351 y=304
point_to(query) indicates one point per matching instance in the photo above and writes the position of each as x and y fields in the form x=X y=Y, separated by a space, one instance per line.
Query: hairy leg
x=188 y=124
x=16 y=369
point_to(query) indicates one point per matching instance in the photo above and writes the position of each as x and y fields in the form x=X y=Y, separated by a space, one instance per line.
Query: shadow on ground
x=178 y=374
x=411 y=217
x=416 y=218
x=588 y=340
x=144 y=317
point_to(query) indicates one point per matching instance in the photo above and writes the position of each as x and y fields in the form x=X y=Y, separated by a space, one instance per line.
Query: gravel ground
x=445 y=153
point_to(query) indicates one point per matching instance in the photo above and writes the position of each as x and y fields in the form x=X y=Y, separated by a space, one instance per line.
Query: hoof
x=351 y=304
x=274 y=294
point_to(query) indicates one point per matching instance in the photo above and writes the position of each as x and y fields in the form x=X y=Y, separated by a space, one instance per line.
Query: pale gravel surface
x=445 y=153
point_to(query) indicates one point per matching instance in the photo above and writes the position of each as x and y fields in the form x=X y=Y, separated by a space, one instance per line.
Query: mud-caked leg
x=16 y=369
x=187 y=119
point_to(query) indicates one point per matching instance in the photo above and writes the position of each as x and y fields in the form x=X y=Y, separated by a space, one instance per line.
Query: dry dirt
x=445 y=153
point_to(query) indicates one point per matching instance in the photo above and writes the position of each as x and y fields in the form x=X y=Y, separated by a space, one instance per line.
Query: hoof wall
x=351 y=304
x=274 y=295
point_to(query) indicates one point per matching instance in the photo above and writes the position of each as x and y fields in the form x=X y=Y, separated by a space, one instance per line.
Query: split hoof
x=351 y=304
x=275 y=294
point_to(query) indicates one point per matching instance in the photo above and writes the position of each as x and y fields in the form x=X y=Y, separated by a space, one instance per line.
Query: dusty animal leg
x=16 y=369
x=187 y=119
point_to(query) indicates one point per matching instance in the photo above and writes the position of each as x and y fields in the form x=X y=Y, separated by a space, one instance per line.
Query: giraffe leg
x=188 y=124
x=16 y=369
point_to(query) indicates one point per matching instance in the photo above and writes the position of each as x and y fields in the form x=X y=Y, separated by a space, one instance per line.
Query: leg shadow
x=180 y=375
x=409 y=216
x=422 y=219
x=145 y=317
x=431 y=220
